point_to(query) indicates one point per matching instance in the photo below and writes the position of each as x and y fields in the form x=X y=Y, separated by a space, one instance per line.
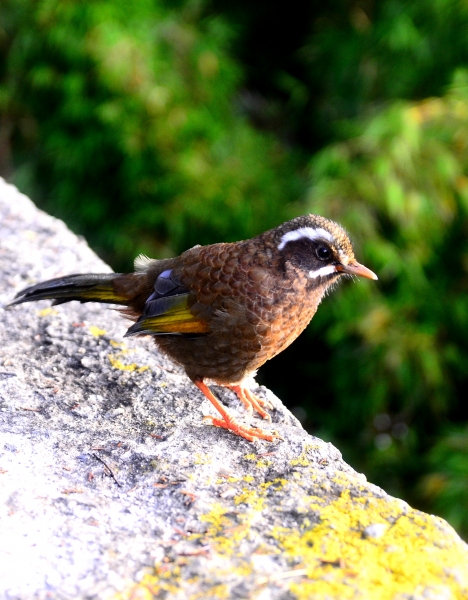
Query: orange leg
x=251 y=401
x=228 y=421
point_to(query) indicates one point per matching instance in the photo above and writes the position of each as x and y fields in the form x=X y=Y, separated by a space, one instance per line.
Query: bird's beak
x=355 y=268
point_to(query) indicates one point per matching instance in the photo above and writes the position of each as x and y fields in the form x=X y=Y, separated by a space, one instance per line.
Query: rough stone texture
x=111 y=486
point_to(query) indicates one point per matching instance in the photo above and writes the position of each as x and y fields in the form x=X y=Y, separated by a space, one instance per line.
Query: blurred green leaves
x=134 y=138
x=401 y=186
x=445 y=487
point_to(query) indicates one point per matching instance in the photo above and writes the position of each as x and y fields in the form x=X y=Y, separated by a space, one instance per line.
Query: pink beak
x=355 y=268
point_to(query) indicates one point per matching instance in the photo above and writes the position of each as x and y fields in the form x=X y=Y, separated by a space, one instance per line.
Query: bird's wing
x=167 y=310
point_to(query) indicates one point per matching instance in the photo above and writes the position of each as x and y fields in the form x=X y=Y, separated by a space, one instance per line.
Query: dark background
x=151 y=126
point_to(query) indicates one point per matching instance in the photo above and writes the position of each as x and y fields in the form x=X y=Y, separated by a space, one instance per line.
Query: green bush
x=399 y=360
x=126 y=126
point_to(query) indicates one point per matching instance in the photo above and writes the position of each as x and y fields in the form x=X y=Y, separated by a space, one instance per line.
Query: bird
x=222 y=310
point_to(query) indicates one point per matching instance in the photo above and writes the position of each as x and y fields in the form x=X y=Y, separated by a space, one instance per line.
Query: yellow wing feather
x=178 y=322
x=176 y=318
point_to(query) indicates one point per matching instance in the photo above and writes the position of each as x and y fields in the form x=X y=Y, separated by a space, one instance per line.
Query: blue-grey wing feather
x=168 y=293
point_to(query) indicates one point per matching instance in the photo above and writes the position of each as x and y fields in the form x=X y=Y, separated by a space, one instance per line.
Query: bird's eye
x=323 y=253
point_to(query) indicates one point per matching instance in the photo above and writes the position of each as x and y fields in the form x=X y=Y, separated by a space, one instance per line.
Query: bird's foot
x=251 y=401
x=249 y=433
x=227 y=421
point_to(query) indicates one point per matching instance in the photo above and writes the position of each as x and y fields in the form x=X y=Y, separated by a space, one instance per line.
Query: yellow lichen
x=277 y=483
x=221 y=480
x=250 y=497
x=93 y=330
x=263 y=464
x=202 y=459
x=347 y=480
x=118 y=364
x=300 y=460
x=404 y=557
x=45 y=312
x=115 y=344
x=218 y=522
x=331 y=553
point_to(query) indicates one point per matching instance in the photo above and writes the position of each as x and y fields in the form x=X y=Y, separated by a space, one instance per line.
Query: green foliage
x=362 y=53
x=324 y=62
x=129 y=130
x=401 y=348
x=445 y=487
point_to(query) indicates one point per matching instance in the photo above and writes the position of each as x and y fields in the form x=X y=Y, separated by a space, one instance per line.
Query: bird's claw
x=248 y=433
x=251 y=401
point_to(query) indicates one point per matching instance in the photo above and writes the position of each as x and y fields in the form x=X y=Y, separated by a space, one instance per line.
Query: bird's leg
x=251 y=401
x=228 y=421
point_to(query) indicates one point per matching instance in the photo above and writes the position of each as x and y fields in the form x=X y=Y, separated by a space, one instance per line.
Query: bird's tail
x=84 y=288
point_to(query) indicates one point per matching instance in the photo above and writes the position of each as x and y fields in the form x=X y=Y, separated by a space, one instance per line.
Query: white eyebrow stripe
x=328 y=270
x=306 y=232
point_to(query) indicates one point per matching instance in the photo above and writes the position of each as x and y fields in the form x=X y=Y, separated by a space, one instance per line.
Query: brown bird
x=223 y=310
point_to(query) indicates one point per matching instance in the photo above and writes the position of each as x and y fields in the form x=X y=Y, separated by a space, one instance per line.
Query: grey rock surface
x=112 y=486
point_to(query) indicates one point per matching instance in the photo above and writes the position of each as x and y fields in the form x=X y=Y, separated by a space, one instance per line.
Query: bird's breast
x=253 y=313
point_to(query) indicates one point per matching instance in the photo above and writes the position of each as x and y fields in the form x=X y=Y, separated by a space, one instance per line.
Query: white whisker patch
x=328 y=270
x=309 y=233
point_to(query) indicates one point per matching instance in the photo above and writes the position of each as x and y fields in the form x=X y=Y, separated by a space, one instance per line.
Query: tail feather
x=84 y=288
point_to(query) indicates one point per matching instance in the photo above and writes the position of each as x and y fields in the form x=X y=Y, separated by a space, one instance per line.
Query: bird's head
x=319 y=247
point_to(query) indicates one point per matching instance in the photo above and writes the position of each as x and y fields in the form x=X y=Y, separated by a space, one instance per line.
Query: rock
x=112 y=486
